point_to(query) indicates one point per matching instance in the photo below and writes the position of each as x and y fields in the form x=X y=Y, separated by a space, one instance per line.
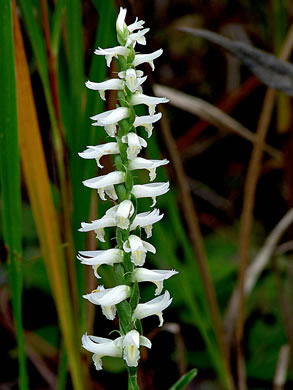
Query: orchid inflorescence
x=129 y=255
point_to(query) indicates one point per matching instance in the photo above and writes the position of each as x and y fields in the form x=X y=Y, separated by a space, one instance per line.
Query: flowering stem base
x=132 y=378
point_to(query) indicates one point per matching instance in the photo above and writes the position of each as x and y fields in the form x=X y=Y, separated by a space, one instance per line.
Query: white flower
x=137 y=25
x=108 y=298
x=101 y=347
x=99 y=151
x=150 y=165
x=112 y=52
x=109 y=119
x=147 y=121
x=138 y=249
x=138 y=37
x=135 y=143
x=100 y=257
x=146 y=221
x=133 y=79
x=150 y=190
x=98 y=226
x=149 y=58
x=131 y=343
x=155 y=276
x=124 y=211
x=105 y=184
x=121 y=27
x=150 y=101
x=155 y=306
x=114 y=84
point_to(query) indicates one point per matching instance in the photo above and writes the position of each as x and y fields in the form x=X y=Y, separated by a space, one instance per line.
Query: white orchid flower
x=137 y=25
x=135 y=143
x=109 y=119
x=98 y=151
x=131 y=343
x=150 y=101
x=138 y=37
x=98 y=226
x=124 y=211
x=138 y=249
x=150 y=190
x=112 y=52
x=101 y=347
x=105 y=184
x=100 y=257
x=108 y=298
x=155 y=276
x=133 y=79
x=146 y=221
x=149 y=58
x=147 y=122
x=112 y=84
x=121 y=27
x=150 y=165
x=153 y=307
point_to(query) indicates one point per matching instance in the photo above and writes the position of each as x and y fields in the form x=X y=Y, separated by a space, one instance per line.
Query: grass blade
x=37 y=181
x=185 y=380
x=10 y=180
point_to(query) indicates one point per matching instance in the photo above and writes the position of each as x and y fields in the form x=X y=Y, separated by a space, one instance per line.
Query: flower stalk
x=129 y=256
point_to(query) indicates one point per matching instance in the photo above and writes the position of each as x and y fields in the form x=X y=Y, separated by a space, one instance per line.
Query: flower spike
x=127 y=222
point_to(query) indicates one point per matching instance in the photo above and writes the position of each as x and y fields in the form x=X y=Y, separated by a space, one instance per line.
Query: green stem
x=132 y=378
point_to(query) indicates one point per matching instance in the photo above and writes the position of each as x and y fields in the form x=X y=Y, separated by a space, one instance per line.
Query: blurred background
x=227 y=225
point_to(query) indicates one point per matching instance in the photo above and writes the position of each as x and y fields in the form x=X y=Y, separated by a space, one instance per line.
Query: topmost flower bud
x=121 y=27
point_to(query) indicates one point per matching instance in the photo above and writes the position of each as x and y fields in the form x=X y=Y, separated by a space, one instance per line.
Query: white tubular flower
x=138 y=249
x=153 y=307
x=109 y=119
x=149 y=58
x=108 y=298
x=150 y=190
x=124 y=211
x=133 y=79
x=155 y=276
x=147 y=122
x=98 y=151
x=105 y=184
x=100 y=257
x=121 y=27
x=114 y=84
x=138 y=37
x=131 y=343
x=150 y=101
x=135 y=143
x=101 y=347
x=150 y=165
x=112 y=52
x=137 y=25
x=146 y=221
x=98 y=226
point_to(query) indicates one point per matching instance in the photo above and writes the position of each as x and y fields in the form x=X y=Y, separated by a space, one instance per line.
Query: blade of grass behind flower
x=10 y=180
x=37 y=181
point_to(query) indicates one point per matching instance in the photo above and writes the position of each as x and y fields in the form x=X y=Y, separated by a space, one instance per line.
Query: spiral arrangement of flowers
x=129 y=255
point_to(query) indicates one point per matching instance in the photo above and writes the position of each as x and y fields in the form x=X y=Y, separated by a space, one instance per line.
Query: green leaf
x=185 y=380
x=10 y=178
